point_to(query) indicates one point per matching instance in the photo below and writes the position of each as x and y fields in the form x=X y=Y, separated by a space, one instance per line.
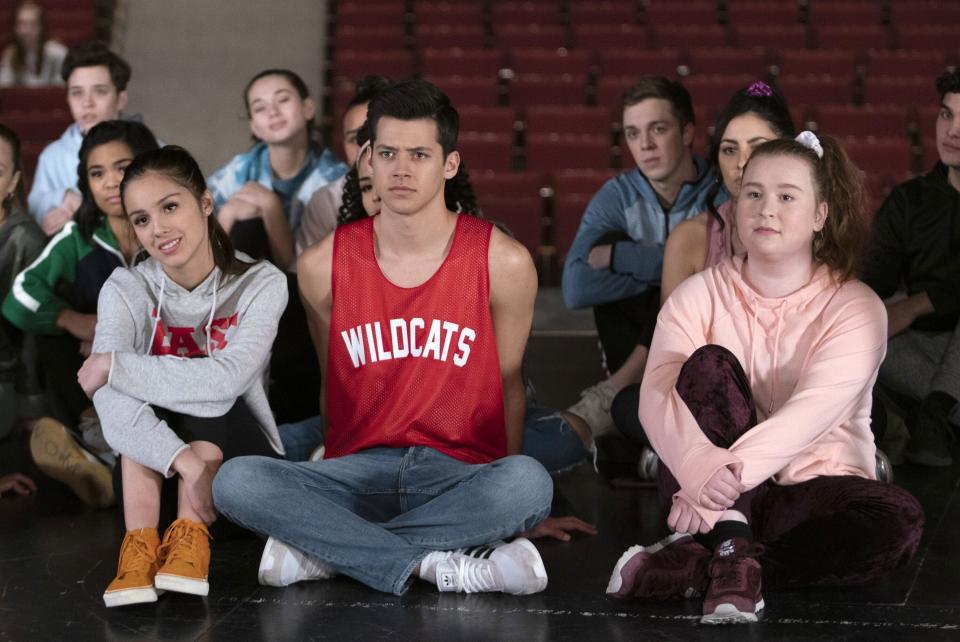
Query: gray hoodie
x=155 y=328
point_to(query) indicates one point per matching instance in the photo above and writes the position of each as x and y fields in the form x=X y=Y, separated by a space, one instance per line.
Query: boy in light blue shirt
x=96 y=80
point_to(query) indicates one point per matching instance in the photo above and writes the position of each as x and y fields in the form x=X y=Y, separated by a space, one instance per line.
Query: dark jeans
x=625 y=324
x=825 y=531
x=294 y=369
x=60 y=358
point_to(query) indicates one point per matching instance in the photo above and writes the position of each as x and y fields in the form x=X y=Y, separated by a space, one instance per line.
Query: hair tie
x=809 y=140
x=363 y=149
x=759 y=89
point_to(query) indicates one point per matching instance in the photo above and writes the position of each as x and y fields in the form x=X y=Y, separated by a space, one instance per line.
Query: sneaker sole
x=615 y=585
x=179 y=584
x=727 y=613
x=59 y=457
x=130 y=596
x=539 y=570
x=270 y=556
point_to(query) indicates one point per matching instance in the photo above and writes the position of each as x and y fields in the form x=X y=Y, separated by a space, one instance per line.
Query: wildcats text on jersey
x=405 y=338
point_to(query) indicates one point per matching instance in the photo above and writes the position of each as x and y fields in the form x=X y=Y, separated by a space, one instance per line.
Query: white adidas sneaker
x=282 y=565
x=514 y=568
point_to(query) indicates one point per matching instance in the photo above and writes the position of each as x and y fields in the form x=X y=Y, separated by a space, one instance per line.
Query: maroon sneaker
x=676 y=566
x=733 y=596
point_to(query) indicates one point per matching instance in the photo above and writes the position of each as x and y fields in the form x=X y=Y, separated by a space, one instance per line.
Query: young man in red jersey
x=420 y=317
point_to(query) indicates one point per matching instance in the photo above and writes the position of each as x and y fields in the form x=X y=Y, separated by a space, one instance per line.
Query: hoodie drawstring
x=778 y=334
x=156 y=320
x=213 y=309
x=776 y=356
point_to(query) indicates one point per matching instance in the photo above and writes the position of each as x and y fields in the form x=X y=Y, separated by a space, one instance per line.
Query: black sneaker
x=930 y=437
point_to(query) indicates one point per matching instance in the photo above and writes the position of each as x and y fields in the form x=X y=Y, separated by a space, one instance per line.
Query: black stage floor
x=56 y=558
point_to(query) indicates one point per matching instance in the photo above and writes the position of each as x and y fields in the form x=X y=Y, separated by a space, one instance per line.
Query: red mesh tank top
x=414 y=366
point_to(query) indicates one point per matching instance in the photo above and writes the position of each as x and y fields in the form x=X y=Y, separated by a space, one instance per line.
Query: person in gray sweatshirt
x=177 y=370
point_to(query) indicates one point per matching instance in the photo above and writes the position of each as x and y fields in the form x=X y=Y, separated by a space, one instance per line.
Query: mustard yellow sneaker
x=184 y=558
x=136 y=569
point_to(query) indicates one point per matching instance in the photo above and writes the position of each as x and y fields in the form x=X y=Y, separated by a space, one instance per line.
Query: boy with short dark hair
x=420 y=316
x=916 y=241
x=615 y=261
x=96 y=80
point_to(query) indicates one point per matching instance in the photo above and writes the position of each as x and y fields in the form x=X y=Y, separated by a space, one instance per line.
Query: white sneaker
x=283 y=565
x=514 y=568
x=594 y=407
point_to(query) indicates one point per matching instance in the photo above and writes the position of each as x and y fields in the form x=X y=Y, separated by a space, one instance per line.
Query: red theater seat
x=696 y=12
x=369 y=39
x=860 y=121
x=523 y=216
x=514 y=36
x=728 y=60
x=534 y=89
x=854 y=37
x=900 y=62
x=596 y=37
x=353 y=64
x=823 y=13
x=816 y=89
x=685 y=35
x=483 y=91
x=630 y=61
x=549 y=152
x=555 y=119
x=486 y=150
x=612 y=12
x=497 y=120
x=904 y=90
x=772 y=36
x=551 y=61
x=447 y=36
x=938 y=37
x=880 y=156
x=30 y=99
x=528 y=13
x=430 y=14
x=567 y=213
x=753 y=13
x=804 y=62
x=463 y=62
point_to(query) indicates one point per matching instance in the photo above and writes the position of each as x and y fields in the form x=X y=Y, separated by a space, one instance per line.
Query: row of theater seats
x=543 y=209
x=526 y=77
x=594 y=35
x=696 y=12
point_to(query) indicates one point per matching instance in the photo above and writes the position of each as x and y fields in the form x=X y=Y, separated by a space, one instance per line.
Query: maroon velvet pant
x=828 y=530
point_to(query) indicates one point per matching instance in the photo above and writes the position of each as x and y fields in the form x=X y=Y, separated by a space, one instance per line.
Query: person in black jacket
x=916 y=252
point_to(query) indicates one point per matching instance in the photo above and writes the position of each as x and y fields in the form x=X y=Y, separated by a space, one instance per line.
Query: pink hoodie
x=811 y=358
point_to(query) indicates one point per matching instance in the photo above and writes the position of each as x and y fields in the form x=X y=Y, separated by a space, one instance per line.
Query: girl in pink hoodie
x=757 y=398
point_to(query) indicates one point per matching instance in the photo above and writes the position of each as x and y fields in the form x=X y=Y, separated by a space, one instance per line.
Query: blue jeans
x=376 y=514
x=547 y=437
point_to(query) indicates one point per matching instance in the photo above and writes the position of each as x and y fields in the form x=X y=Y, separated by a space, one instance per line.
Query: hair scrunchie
x=809 y=140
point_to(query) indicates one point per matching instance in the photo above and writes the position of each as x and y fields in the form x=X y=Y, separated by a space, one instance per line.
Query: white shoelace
x=475 y=576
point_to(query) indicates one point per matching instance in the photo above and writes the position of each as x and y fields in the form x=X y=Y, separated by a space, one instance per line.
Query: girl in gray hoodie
x=178 y=369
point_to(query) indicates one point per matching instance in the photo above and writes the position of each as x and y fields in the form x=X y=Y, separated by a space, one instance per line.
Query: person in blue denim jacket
x=260 y=195
x=615 y=261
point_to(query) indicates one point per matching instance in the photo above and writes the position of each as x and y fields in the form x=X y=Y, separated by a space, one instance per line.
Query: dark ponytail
x=178 y=165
